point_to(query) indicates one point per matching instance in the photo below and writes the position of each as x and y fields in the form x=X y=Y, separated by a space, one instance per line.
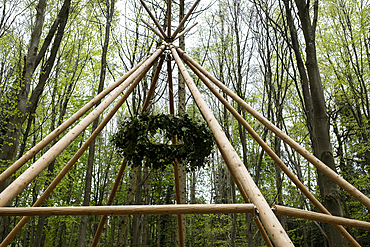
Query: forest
x=304 y=65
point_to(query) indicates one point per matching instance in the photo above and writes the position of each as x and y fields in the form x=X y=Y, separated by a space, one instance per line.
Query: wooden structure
x=264 y=215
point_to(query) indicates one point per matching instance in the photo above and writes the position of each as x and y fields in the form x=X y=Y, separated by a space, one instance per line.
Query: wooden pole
x=185 y=31
x=272 y=154
x=185 y=19
x=152 y=86
x=131 y=210
x=330 y=219
x=31 y=173
x=310 y=157
x=269 y=220
x=169 y=5
x=72 y=161
x=153 y=29
x=153 y=18
x=123 y=165
x=34 y=150
x=170 y=88
x=175 y=164
x=246 y=199
x=109 y=202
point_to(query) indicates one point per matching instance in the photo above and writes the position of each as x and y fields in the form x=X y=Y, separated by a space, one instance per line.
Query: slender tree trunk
x=145 y=218
x=91 y=157
x=124 y=222
x=182 y=110
x=136 y=218
x=10 y=144
x=328 y=189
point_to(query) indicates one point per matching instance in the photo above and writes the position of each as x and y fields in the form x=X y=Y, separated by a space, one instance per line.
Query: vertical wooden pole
x=272 y=154
x=176 y=164
x=268 y=218
x=307 y=155
x=31 y=173
x=123 y=165
x=169 y=5
x=34 y=150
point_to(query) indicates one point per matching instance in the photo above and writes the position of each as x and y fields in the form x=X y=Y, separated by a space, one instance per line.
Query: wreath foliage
x=150 y=136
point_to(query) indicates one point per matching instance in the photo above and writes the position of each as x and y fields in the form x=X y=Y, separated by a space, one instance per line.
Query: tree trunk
x=328 y=189
x=123 y=224
x=136 y=218
x=91 y=157
x=10 y=144
x=182 y=110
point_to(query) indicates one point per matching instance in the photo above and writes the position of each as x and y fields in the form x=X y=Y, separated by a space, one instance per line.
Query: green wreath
x=149 y=136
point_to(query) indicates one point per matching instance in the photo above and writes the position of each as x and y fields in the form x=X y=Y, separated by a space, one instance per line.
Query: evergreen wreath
x=149 y=136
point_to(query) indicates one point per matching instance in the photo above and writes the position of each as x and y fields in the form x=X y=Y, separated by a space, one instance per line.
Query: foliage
x=138 y=137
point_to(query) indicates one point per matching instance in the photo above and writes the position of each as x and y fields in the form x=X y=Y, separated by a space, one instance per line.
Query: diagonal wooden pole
x=152 y=86
x=31 y=173
x=72 y=161
x=34 y=150
x=272 y=154
x=153 y=29
x=301 y=150
x=153 y=18
x=109 y=202
x=273 y=227
x=185 y=31
x=246 y=200
x=176 y=164
x=123 y=165
x=185 y=19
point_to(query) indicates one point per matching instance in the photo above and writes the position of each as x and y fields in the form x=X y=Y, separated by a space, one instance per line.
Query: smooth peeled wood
x=330 y=219
x=272 y=154
x=153 y=18
x=307 y=155
x=73 y=160
x=34 y=150
x=153 y=29
x=269 y=220
x=178 y=29
x=131 y=210
x=185 y=31
x=123 y=164
x=31 y=173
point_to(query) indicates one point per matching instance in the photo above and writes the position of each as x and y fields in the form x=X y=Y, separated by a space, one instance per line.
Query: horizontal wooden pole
x=130 y=210
x=309 y=215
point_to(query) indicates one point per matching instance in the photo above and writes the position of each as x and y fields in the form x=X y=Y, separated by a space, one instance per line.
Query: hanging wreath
x=150 y=136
